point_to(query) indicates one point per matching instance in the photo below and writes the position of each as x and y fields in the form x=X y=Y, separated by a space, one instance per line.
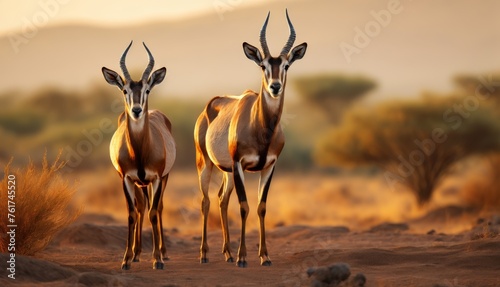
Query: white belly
x=250 y=161
x=171 y=153
x=217 y=144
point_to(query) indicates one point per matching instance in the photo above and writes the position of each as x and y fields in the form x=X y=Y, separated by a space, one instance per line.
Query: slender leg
x=242 y=198
x=204 y=173
x=128 y=188
x=140 y=202
x=224 y=195
x=163 y=247
x=265 y=181
x=158 y=186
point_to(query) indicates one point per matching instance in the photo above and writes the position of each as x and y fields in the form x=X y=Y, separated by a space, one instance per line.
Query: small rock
x=358 y=280
x=321 y=274
x=329 y=276
x=339 y=272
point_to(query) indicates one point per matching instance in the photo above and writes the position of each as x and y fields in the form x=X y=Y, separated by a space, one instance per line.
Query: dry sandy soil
x=89 y=252
x=315 y=221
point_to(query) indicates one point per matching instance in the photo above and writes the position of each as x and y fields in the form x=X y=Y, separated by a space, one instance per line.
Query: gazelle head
x=274 y=69
x=135 y=92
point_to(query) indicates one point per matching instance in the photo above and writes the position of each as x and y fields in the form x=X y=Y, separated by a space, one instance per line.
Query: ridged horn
x=291 y=39
x=150 y=66
x=263 y=41
x=123 y=66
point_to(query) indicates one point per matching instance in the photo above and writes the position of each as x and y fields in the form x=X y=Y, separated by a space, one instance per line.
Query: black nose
x=275 y=87
x=136 y=111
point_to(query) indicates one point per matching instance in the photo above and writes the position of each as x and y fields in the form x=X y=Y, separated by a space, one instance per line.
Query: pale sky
x=15 y=15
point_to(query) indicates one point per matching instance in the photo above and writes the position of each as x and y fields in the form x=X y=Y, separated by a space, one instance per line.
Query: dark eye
x=147 y=92
x=262 y=67
x=286 y=67
x=124 y=92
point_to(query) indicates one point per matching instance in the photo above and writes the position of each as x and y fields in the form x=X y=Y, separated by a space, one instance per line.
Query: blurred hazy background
x=391 y=95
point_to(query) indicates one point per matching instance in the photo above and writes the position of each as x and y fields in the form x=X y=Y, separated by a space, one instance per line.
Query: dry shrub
x=482 y=191
x=42 y=206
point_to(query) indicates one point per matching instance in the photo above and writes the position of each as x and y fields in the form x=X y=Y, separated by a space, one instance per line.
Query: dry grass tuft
x=43 y=206
x=483 y=190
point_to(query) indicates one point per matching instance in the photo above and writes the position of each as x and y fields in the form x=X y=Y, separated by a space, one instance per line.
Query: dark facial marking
x=275 y=64
x=136 y=88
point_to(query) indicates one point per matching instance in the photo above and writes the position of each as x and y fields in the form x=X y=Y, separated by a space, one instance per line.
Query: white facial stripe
x=128 y=96
x=283 y=70
x=143 y=95
x=267 y=66
x=267 y=70
x=281 y=74
x=138 y=100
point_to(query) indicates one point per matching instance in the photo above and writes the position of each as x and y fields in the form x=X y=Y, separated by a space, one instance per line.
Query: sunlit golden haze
x=109 y=13
x=418 y=46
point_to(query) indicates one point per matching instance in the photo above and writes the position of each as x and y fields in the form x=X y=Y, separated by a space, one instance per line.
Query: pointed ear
x=113 y=78
x=157 y=77
x=252 y=53
x=297 y=53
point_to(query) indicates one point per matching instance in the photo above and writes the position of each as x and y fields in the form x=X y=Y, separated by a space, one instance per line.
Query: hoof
x=266 y=263
x=230 y=259
x=241 y=264
x=158 y=265
x=125 y=266
x=136 y=257
x=204 y=260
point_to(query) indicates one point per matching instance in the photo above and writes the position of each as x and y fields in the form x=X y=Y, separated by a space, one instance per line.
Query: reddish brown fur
x=243 y=133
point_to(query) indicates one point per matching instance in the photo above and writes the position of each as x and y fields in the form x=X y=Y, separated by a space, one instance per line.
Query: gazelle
x=143 y=151
x=243 y=133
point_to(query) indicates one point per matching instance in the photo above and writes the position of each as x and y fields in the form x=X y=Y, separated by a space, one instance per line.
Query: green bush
x=332 y=93
x=52 y=119
x=415 y=143
x=22 y=122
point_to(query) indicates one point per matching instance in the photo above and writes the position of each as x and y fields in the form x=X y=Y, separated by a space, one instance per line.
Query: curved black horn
x=263 y=42
x=291 y=39
x=123 y=66
x=149 y=68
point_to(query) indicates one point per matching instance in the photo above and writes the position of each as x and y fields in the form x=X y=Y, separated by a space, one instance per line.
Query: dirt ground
x=89 y=253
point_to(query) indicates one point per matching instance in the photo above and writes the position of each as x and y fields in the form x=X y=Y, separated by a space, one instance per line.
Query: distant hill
x=420 y=47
